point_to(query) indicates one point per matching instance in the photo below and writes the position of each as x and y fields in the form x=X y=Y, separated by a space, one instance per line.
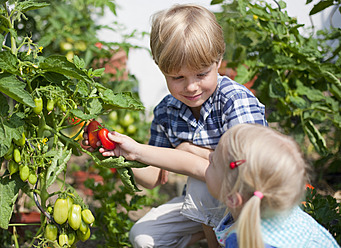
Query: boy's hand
x=85 y=141
x=125 y=146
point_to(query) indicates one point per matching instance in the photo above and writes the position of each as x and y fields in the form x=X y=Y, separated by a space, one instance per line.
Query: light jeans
x=173 y=223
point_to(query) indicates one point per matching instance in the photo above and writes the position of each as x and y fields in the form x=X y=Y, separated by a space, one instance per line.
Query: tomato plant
x=33 y=129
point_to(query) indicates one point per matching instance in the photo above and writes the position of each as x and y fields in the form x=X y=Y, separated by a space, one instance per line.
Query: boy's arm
x=194 y=149
x=150 y=177
x=170 y=159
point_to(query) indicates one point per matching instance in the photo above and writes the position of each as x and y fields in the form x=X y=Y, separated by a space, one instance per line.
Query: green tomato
x=51 y=232
x=21 y=141
x=83 y=227
x=127 y=120
x=62 y=106
x=32 y=178
x=69 y=202
x=113 y=115
x=24 y=172
x=50 y=105
x=13 y=167
x=84 y=236
x=60 y=212
x=75 y=217
x=39 y=105
x=72 y=237
x=9 y=154
x=131 y=129
x=16 y=155
x=87 y=216
x=63 y=240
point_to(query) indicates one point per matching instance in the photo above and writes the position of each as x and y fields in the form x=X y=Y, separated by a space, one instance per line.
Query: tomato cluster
x=74 y=221
x=16 y=164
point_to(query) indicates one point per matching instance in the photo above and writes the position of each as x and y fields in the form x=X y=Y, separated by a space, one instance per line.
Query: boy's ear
x=234 y=201
x=219 y=63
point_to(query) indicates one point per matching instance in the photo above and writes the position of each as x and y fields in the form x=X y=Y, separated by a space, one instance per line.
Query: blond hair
x=186 y=35
x=274 y=166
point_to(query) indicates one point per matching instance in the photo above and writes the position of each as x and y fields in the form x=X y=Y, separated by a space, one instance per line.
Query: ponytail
x=248 y=224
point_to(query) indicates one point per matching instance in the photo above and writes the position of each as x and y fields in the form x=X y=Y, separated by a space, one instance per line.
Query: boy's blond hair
x=186 y=36
x=274 y=165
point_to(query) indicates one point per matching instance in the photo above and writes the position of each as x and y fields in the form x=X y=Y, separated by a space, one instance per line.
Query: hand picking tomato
x=106 y=142
x=93 y=129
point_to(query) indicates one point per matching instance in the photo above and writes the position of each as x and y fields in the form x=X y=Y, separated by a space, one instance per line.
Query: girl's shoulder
x=296 y=229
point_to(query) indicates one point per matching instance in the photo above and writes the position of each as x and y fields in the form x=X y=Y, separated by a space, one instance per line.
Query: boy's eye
x=202 y=74
x=177 y=78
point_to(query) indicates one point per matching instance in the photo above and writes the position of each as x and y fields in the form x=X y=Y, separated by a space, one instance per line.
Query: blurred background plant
x=296 y=76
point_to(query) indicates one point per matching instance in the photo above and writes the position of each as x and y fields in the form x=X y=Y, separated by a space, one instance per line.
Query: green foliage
x=28 y=74
x=326 y=210
x=112 y=217
x=297 y=77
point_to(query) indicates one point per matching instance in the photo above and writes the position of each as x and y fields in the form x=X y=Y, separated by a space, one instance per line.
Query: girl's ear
x=234 y=201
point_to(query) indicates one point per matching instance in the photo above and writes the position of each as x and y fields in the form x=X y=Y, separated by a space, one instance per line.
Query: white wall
x=135 y=15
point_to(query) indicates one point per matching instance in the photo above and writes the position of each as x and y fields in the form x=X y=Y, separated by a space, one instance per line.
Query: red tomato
x=93 y=129
x=113 y=170
x=106 y=142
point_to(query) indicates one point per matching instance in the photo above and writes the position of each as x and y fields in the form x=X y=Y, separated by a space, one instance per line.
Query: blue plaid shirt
x=230 y=104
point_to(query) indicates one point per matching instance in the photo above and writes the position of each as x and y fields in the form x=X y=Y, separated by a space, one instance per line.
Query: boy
x=187 y=44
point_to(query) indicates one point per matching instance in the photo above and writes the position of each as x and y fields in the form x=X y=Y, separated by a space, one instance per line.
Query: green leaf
x=94 y=106
x=332 y=78
x=120 y=162
x=216 y=2
x=10 y=129
x=98 y=72
x=323 y=4
x=8 y=62
x=316 y=138
x=123 y=100
x=9 y=190
x=298 y=102
x=15 y=89
x=80 y=114
x=127 y=177
x=27 y=5
x=4 y=108
x=59 y=162
x=276 y=87
x=243 y=74
x=60 y=64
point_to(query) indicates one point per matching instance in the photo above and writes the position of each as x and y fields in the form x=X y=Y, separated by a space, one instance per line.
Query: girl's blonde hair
x=186 y=35
x=273 y=165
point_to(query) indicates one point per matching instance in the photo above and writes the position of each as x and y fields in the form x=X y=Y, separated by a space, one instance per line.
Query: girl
x=260 y=175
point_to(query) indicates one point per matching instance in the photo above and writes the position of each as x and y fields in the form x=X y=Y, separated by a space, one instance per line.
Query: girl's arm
x=174 y=160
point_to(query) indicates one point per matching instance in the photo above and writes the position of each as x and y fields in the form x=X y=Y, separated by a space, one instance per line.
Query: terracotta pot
x=81 y=176
x=31 y=217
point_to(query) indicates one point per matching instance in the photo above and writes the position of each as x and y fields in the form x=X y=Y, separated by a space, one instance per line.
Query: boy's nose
x=192 y=85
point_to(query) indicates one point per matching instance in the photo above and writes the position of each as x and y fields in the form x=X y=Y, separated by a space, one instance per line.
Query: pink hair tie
x=258 y=194
x=236 y=163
